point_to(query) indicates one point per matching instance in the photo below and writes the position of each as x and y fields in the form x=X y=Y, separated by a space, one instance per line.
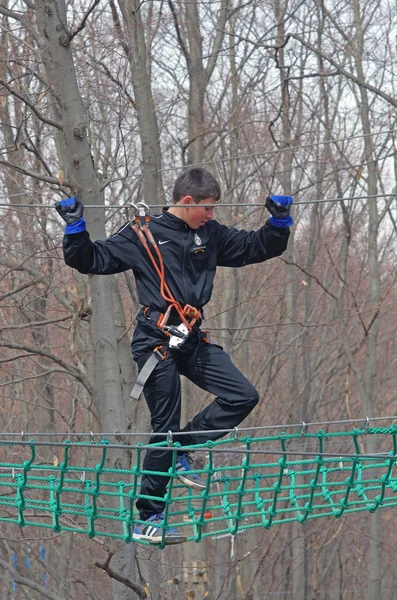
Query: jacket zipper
x=183 y=271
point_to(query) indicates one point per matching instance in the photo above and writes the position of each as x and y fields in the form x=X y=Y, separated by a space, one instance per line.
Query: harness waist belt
x=152 y=314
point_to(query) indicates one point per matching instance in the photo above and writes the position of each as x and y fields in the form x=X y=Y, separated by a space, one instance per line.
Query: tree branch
x=34 y=175
x=43 y=278
x=220 y=34
x=22 y=287
x=178 y=34
x=117 y=82
x=140 y=591
x=45 y=592
x=71 y=369
x=15 y=357
x=343 y=71
x=30 y=378
x=119 y=30
x=83 y=20
x=31 y=106
x=314 y=277
x=36 y=323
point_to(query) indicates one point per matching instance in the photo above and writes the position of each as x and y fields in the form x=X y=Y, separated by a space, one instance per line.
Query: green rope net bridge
x=252 y=481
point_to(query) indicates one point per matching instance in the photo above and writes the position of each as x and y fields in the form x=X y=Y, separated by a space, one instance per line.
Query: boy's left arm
x=237 y=247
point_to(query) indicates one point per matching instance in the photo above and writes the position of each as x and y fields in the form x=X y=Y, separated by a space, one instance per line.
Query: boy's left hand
x=279 y=206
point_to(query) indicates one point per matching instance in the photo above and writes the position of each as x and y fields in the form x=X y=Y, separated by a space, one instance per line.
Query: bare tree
x=111 y=100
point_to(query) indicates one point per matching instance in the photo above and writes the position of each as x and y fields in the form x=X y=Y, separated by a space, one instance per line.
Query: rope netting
x=260 y=481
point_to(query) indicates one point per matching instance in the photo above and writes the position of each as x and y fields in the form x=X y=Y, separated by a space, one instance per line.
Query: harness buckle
x=160 y=352
x=178 y=335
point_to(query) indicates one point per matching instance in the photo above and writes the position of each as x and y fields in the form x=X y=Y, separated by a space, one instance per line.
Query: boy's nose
x=210 y=213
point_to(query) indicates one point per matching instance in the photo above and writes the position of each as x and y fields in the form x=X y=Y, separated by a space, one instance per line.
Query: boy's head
x=192 y=189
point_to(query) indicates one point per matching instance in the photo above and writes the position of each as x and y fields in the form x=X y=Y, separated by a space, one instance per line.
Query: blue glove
x=279 y=208
x=71 y=210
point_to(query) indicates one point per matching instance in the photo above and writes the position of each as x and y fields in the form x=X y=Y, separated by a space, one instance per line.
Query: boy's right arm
x=96 y=258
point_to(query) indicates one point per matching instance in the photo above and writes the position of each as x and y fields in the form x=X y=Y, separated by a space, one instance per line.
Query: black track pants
x=210 y=368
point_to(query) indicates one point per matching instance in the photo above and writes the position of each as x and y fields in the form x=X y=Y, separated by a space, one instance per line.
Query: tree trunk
x=299 y=560
x=140 y=63
x=368 y=400
x=61 y=75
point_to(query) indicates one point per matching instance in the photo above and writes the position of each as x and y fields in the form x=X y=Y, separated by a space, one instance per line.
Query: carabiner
x=141 y=213
x=134 y=210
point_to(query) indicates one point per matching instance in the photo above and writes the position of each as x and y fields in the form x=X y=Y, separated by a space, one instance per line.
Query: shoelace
x=158 y=517
x=186 y=461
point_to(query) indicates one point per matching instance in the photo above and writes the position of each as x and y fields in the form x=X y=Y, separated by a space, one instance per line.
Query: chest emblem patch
x=197 y=239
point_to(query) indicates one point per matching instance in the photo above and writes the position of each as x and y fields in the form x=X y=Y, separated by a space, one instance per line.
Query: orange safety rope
x=187 y=311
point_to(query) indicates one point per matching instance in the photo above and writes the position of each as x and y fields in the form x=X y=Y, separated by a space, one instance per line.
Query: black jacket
x=190 y=256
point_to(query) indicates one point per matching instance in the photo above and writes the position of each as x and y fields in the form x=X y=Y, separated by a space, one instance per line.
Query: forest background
x=112 y=100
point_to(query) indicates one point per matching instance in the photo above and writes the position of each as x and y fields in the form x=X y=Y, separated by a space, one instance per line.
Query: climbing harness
x=188 y=315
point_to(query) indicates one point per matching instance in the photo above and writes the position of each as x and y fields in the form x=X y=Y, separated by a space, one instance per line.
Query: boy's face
x=195 y=214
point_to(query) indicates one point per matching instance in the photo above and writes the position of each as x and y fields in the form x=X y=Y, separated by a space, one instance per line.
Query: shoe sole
x=190 y=483
x=158 y=539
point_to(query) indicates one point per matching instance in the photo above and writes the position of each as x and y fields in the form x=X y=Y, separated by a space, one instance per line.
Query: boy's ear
x=187 y=200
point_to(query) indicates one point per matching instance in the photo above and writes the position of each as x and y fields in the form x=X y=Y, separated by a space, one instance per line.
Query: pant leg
x=163 y=396
x=213 y=370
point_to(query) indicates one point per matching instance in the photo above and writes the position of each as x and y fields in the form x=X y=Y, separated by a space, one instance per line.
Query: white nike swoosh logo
x=164 y=241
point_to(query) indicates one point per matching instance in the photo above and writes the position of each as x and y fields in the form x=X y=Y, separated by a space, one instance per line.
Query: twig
x=31 y=106
x=45 y=592
x=140 y=591
x=83 y=21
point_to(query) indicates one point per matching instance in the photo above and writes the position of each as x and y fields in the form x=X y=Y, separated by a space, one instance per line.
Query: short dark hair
x=198 y=183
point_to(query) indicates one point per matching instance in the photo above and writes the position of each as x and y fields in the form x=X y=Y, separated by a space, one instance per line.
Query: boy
x=192 y=245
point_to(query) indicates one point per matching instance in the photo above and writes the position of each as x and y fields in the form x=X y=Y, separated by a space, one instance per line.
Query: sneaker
x=152 y=531
x=183 y=470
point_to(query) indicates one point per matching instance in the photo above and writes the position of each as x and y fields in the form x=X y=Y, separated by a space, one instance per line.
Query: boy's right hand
x=71 y=210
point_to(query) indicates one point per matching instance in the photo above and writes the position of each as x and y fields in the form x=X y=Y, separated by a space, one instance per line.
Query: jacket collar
x=173 y=221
